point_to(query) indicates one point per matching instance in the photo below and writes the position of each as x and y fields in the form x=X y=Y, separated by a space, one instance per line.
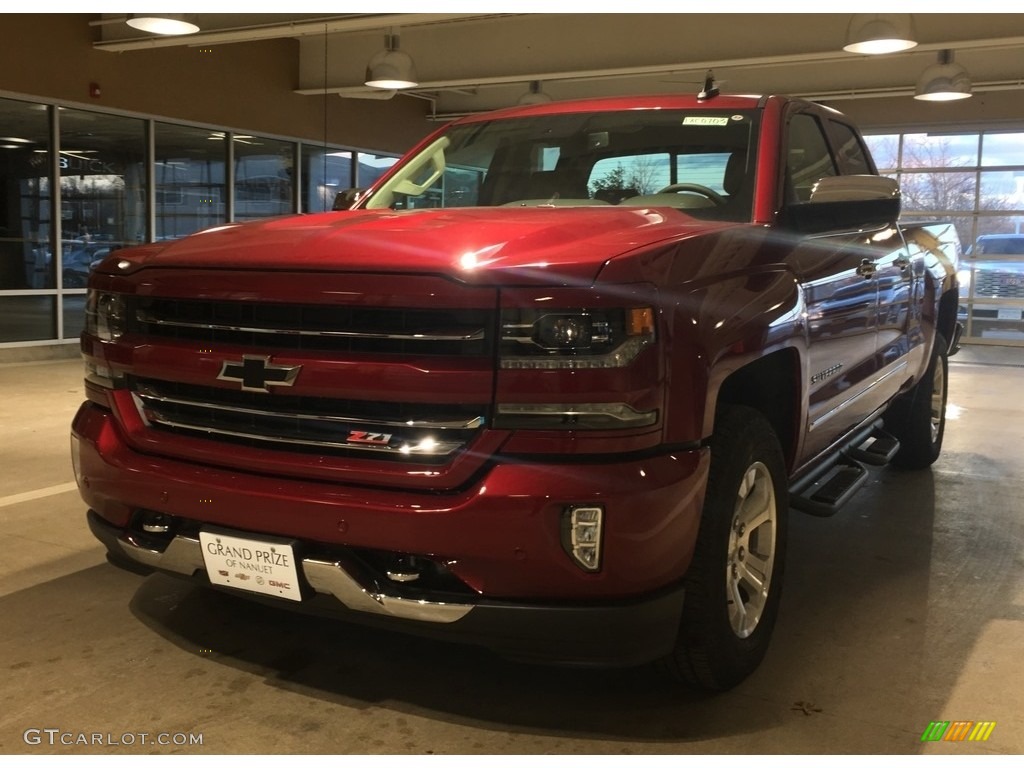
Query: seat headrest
x=735 y=172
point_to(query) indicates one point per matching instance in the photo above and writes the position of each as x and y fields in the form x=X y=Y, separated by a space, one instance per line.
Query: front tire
x=734 y=582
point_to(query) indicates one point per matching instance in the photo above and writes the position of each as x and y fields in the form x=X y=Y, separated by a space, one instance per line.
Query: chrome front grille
x=263 y=325
x=422 y=433
x=998 y=284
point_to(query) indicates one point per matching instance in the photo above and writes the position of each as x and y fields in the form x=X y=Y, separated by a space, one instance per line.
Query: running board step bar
x=827 y=493
x=877 y=449
x=826 y=490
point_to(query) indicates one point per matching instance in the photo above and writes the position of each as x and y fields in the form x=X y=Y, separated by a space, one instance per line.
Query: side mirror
x=347 y=198
x=845 y=202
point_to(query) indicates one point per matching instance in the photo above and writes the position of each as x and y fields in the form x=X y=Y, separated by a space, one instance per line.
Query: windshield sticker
x=705 y=121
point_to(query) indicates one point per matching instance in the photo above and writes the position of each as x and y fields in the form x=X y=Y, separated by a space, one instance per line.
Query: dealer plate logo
x=266 y=566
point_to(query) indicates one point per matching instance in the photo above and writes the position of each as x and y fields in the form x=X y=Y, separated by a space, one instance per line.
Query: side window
x=807 y=156
x=849 y=149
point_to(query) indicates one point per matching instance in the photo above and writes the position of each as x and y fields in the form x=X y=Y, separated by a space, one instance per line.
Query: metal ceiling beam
x=672 y=68
x=329 y=25
x=879 y=93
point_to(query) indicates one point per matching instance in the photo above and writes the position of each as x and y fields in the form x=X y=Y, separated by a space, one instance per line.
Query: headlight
x=106 y=315
x=571 y=332
x=574 y=338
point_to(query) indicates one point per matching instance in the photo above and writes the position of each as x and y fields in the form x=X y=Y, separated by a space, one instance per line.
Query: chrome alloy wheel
x=938 y=400
x=751 y=558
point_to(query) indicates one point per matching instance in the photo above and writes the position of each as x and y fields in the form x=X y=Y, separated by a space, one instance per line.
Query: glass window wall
x=102 y=167
x=325 y=173
x=189 y=177
x=26 y=257
x=371 y=167
x=102 y=189
x=28 y=318
x=264 y=177
x=976 y=181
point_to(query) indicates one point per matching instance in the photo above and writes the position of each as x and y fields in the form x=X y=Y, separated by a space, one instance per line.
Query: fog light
x=155 y=522
x=581 y=535
x=103 y=376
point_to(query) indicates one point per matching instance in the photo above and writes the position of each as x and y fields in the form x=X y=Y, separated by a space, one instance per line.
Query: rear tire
x=918 y=418
x=734 y=582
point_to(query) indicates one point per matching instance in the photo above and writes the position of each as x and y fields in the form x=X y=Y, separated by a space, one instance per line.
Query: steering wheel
x=700 y=189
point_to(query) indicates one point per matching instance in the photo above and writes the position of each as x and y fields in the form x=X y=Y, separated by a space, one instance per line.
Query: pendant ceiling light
x=534 y=96
x=874 y=33
x=944 y=81
x=162 y=23
x=391 y=69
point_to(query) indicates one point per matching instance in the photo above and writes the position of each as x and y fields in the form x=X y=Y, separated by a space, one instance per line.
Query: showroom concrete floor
x=905 y=608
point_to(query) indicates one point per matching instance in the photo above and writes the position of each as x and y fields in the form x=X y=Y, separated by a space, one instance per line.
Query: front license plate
x=266 y=566
x=1009 y=314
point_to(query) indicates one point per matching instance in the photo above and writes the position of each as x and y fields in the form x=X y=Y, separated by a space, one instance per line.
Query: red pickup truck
x=550 y=386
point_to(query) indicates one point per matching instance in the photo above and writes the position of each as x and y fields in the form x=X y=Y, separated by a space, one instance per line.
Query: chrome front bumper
x=614 y=634
x=184 y=556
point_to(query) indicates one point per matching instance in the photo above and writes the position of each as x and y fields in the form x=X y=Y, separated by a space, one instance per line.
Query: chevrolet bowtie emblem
x=256 y=374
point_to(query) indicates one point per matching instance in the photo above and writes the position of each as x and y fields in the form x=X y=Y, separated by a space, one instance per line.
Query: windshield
x=701 y=161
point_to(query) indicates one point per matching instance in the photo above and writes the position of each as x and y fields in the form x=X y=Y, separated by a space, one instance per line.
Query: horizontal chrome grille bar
x=149 y=395
x=341 y=328
x=429 y=433
x=426 y=447
x=475 y=335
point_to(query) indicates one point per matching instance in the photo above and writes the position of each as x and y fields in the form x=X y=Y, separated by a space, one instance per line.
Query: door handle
x=867 y=269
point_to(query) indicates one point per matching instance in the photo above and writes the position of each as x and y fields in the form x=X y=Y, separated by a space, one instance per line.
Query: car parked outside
x=994 y=272
x=81 y=256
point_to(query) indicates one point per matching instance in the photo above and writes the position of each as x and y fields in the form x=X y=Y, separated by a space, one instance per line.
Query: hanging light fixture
x=874 y=33
x=534 y=96
x=944 y=81
x=162 y=24
x=391 y=69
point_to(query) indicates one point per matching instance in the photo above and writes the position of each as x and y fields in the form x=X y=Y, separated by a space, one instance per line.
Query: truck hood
x=475 y=245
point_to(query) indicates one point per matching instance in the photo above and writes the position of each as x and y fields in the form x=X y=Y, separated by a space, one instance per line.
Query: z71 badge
x=368 y=438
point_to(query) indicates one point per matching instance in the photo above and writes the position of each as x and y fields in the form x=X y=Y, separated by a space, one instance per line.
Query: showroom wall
x=291 y=152
x=77 y=184
x=177 y=139
x=246 y=86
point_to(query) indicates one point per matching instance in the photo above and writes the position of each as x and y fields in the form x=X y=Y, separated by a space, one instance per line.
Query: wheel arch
x=771 y=386
x=946 y=320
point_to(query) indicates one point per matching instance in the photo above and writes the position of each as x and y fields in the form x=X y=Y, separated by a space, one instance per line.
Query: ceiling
x=473 y=62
